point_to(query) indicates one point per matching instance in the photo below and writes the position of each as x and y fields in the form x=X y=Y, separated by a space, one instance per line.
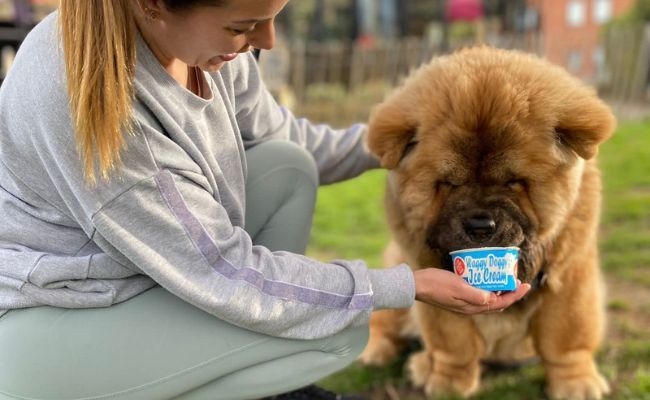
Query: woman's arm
x=339 y=153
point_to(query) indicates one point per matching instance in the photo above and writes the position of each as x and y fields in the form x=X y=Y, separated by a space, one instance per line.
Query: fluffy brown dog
x=490 y=147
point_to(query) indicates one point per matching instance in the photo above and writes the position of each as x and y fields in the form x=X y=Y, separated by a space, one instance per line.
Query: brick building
x=571 y=32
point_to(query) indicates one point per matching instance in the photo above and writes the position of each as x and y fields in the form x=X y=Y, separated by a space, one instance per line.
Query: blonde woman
x=155 y=204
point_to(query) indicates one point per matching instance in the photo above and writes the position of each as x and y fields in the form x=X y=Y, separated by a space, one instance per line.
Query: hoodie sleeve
x=182 y=238
x=339 y=153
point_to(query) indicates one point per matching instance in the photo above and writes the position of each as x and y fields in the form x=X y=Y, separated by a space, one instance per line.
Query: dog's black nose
x=480 y=228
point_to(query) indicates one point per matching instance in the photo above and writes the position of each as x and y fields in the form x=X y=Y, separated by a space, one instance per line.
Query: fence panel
x=627 y=61
x=340 y=76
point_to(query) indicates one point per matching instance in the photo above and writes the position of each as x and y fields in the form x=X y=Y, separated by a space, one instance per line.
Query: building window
x=574 y=61
x=575 y=13
x=602 y=11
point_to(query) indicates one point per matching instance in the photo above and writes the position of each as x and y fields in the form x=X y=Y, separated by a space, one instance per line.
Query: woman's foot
x=313 y=392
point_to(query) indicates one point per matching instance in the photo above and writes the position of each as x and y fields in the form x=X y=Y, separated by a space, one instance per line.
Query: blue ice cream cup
x=488 y=268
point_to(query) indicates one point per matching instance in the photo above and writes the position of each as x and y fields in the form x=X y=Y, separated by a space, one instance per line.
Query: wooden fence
x=339 y=82
x=628 y=65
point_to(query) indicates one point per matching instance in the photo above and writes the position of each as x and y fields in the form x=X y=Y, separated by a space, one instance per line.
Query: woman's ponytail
x=99 y=49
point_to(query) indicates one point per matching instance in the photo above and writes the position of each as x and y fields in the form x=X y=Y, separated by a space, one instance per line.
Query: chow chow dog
x=489 y=147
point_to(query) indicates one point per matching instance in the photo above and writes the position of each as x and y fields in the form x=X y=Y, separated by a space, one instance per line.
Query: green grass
x=349 y=223
x=349 y=220
x=625 y=239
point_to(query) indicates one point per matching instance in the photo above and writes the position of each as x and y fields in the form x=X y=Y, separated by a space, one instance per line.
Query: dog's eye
x=516 y=185
x=443 y=185
x=559 y=136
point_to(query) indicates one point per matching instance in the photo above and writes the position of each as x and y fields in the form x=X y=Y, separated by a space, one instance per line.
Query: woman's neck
x=180 y=72
x=177 y=69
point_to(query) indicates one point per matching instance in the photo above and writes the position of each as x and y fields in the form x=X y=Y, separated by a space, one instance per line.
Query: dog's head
x=486 y=147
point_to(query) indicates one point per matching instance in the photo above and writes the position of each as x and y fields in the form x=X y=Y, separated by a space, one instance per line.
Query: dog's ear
x=390 y=131
x=585 y=123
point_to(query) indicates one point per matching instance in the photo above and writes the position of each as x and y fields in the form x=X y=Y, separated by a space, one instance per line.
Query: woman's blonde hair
x=99 y=46
x=99 y=49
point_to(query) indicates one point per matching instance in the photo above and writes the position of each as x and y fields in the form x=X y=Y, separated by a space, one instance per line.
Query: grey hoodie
x=174 y=214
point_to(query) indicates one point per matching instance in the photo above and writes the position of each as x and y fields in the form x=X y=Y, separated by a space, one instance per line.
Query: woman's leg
x=156 y=346
x=280 y=195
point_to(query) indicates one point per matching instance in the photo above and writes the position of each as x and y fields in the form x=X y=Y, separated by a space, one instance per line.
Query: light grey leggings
x=156 y=346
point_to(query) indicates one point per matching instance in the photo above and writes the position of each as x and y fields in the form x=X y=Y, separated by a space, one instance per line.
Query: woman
x=156 y=202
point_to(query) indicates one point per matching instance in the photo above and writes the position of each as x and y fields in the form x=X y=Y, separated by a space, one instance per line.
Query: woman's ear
x=151 y=8
x=585 y=123
x=390 y=131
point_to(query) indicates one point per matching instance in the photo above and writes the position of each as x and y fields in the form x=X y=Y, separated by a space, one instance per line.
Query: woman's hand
x=447 y=290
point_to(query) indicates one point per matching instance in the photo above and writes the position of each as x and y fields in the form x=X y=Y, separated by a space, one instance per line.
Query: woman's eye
x=239 y=31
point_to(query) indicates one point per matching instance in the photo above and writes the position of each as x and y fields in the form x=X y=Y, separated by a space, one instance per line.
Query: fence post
x=356 y=66
x=640 y=80
x=298 y=54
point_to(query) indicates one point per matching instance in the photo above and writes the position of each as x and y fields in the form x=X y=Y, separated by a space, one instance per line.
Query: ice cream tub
x=488 y=268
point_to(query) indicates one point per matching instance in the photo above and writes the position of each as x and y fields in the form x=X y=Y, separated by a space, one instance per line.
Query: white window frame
x=602 y=11
x=576 y=13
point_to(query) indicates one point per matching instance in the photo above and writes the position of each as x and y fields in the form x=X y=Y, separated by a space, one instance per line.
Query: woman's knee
x=276 y=156
x=281 y=189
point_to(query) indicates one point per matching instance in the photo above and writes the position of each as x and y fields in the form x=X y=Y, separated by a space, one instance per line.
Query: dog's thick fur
x=490 y=147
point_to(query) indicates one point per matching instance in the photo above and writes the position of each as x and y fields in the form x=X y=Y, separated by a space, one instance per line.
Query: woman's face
x=208 y=37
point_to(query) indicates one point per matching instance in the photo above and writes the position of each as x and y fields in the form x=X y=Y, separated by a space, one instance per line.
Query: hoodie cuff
x=392 y=287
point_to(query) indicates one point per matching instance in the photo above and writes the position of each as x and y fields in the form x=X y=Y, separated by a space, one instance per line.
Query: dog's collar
x=538 y=282
x=540 y=279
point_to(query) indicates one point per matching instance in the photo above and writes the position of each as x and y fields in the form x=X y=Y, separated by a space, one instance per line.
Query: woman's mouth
x=217 y=62
x=228 y=57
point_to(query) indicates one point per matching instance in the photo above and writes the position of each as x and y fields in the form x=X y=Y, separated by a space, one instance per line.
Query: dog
x=491 y=147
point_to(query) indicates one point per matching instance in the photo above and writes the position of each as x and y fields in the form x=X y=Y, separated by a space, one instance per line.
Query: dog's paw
x=420 y=368
x=590 y=387
x=379 y=351
x=439 y=379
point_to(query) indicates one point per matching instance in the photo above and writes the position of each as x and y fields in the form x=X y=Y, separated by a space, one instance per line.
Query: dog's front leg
x=387 y=336
x=567 y=331
x=453 y=347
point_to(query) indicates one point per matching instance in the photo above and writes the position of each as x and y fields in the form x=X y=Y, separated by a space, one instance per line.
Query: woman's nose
x=263 y=36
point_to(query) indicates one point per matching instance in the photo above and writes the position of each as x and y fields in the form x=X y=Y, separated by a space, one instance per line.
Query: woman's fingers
x=447 y=290
x=481 y=302
x=508 y=298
